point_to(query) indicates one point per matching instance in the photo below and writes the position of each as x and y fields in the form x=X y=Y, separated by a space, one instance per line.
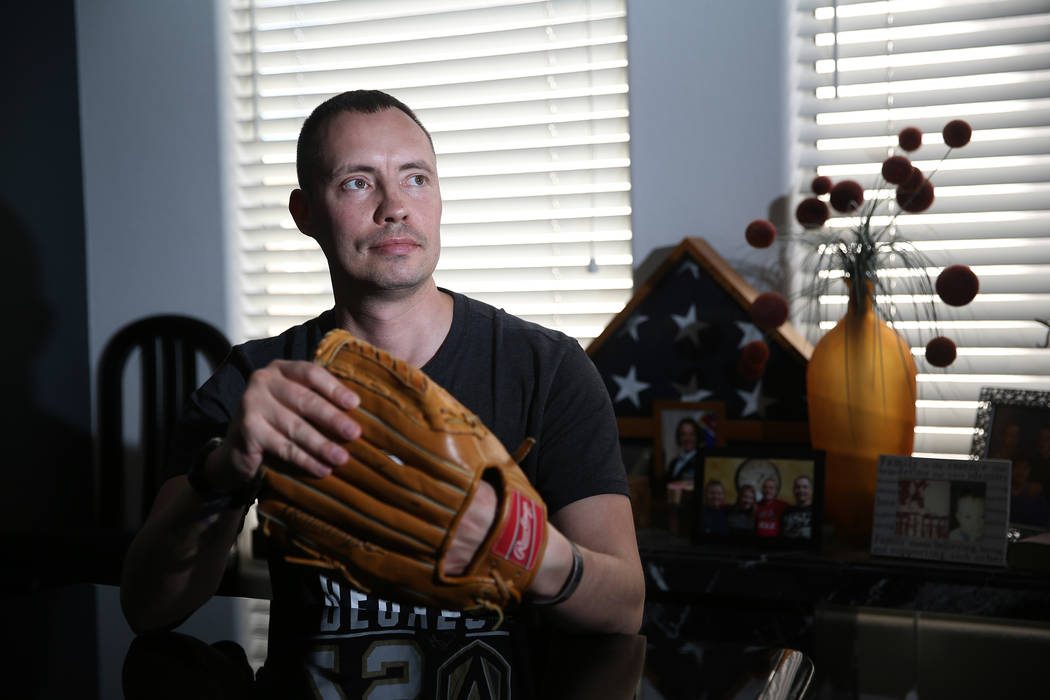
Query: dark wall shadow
x=45 y=397
x=48 y=486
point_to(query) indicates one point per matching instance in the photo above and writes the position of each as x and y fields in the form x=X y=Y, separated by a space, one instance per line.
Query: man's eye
x=357 y=183
x=417 y=180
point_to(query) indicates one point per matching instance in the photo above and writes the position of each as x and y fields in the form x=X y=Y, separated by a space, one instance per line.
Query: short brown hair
x=307 y=151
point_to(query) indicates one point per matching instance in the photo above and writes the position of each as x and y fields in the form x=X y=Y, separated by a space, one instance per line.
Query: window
x=527 y=105
x=868 y=69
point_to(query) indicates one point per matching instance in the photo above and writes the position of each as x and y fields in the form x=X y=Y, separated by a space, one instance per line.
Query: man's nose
x=391 y=208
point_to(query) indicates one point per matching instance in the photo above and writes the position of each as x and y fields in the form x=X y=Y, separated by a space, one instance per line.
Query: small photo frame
x=942 y=509
x=762 y=495
x=1014 y=424
x=1011 y=422
x=683 y=429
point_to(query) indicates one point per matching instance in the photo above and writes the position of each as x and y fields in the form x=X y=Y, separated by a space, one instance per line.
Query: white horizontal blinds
x=527 y=106
x=922 y=63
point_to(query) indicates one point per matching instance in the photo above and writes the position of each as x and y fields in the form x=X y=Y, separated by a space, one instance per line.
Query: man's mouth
x=395 y=246
x=399 y=243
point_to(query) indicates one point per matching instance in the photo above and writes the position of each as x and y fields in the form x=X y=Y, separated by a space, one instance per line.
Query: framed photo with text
x=764 y=495
x=942 y=509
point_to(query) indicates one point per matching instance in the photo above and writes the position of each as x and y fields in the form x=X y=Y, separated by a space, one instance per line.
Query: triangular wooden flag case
x=680 y=338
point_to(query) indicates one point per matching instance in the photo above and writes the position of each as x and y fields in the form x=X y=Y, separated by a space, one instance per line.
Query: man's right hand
x=294 y=410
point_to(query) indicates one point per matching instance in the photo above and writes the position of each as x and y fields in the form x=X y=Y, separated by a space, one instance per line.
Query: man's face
x=375 y=205
x=747 y=498
x=803 y=491
x=716 y=495
x=687 y=437
x=769 y=490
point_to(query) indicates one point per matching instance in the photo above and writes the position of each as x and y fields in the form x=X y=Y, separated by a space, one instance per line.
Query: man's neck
x=409 y=326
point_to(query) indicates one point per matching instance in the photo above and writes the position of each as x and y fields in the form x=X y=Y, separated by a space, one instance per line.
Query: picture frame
x=1014 y=424
x=942 y=509
x=787 y=514
x=999 y=412
x=709 y=420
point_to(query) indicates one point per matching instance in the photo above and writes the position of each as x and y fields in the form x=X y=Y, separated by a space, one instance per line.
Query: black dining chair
x=169 y=348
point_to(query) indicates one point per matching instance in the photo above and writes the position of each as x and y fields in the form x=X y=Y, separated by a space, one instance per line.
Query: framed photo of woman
x=684 y=428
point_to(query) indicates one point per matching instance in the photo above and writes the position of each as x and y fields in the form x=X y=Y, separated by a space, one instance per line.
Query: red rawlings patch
x=519 y=542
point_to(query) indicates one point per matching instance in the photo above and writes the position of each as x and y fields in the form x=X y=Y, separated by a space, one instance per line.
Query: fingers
x=473 y=528
x=296 y=411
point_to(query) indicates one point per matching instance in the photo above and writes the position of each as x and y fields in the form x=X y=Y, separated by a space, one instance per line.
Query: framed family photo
x=941 y=509
x=1014 y=424
x=765 y=495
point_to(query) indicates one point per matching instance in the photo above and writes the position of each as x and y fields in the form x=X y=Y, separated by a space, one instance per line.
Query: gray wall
x=712 y=119
x=153 y=175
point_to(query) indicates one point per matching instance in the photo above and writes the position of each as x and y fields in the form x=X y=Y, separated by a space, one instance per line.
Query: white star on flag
x=692 y=390
x=754 y=401
x=690 y=267
x=632 y=325
x=750 y=332
x=688 y=326
x=630 y=387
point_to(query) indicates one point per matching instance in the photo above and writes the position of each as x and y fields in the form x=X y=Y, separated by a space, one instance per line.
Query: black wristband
x=571 y=583
x=219 y=499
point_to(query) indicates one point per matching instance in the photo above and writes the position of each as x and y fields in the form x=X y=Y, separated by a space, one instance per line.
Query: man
x=797 y=520
x=768 y=512
x=714 y=514
x=368 y=194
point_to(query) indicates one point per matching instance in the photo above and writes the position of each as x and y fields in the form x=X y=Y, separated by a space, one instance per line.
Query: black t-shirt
x=522 y=380
x=797 y=521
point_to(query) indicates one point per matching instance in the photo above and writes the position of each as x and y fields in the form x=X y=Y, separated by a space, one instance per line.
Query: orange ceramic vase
x=861 y=390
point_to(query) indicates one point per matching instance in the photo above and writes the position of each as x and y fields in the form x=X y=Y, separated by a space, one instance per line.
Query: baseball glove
x=385 y=518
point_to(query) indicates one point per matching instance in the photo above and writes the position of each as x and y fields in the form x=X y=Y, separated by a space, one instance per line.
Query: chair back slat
x=168 y=347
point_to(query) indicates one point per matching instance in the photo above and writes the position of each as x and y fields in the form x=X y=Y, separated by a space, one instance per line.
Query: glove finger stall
x=342 y=505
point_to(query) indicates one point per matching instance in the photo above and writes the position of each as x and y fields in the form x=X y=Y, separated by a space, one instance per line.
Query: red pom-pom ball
x=752 y=363
x=760 y=233
x=812 y=212
x=755 y=353
x=910 y=138
x=847 y=195
x=916 y=200
x=957 y=133
x=896 y=169
x=913 y=181
x=957 y=285
x=821 y=184
x=769 y=310
x=748 y=372
x=940 y=352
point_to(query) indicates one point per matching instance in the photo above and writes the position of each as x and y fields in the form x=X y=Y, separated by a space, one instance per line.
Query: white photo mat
x=942 y=509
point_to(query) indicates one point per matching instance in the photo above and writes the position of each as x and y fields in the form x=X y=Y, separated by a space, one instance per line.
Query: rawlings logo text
x=519 y=541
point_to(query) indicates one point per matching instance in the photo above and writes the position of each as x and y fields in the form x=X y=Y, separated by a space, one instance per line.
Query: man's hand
x=292 y=409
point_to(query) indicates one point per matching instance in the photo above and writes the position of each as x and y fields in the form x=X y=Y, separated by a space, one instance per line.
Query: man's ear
x=299 y=207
